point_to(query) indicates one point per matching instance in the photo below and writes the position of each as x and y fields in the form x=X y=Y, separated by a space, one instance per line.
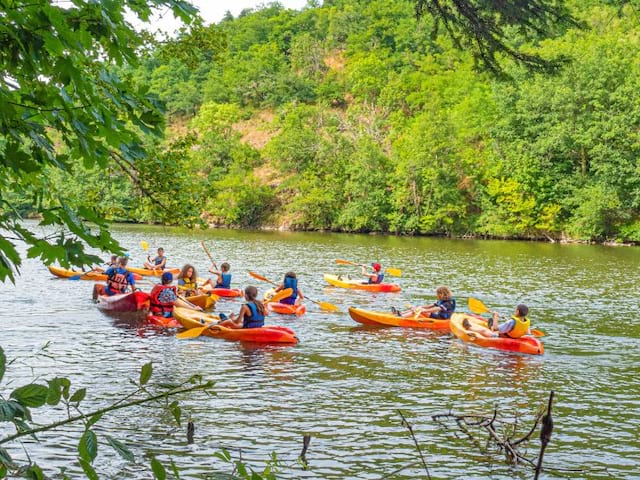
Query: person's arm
x=507 y=326
x=132 y=281
x=300 y=295
x=214 y=269
x=279 y=288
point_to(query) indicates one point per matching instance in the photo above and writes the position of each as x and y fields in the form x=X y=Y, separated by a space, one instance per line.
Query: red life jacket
x=162 y=305
x=117 y=282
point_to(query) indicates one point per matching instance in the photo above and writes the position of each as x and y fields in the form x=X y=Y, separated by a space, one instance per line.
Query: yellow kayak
x=338 y=281
x=145 y=272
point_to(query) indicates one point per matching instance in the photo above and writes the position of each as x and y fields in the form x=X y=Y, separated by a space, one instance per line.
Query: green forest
x=351 y=116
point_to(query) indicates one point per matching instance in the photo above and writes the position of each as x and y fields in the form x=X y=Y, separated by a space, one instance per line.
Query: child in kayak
x=290 y=281
x=443 y=307
x=517 y=326
x=163 y=296
x=157 y=263
x=251 y=314
x=119 y=279
x=112 y=263
x=187 y=281
x=375 y=275
x=223 y=279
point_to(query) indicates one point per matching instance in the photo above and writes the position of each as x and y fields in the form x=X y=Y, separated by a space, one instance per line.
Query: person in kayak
x=251 y=314
x=157 y=263
x=517 y=326
x=119 y=279
x=223 y=277
x=290 y=281
x=375 y=275
x=112 y=263
x=187 y=281
x=163 y=296
x=443 y=307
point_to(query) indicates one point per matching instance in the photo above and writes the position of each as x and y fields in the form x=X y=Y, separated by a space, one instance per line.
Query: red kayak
x=223 y=292
x=125 y=302
x=162 y=322
x=286 y=309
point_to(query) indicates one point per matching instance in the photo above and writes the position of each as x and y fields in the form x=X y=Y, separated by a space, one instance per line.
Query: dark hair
x=522 y=310
x=290 y=275
x=251 y=293
x=183 y=272
x=123 y=261
x=225 y=267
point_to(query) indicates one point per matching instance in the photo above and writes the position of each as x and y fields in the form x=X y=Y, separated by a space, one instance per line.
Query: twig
x=415 y=441
x=545 y=435
x=306 y=439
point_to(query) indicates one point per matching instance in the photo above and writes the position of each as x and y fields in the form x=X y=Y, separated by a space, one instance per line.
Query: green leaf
x=88 y=446
x=158 y=469
x=88 y=469
x=174 y=469
x=3 y=363
x=176 y=411
x=145 y=373
x=121 y=449
x=79 y=395
x=34 y=472
x=95 y=418
x=55 y=391
x=31 y=395
x=5 y=458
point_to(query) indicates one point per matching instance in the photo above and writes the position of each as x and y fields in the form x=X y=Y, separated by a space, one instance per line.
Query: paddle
x=476 y=306
x=196 y=332
x=395 y=272
x=206 y=250
x=326 y=306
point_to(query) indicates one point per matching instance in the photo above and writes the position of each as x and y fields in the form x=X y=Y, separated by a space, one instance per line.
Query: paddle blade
x=536 y=333
x=193 y=332
x=340 y=261
x=328 y=307
x=257 y=276
x=476 y=306
x=144 y=245
x=287 y=292
x=395 y=272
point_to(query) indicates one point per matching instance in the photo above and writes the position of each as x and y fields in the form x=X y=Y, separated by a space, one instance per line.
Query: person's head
x=290 y=275
x=443 y=293
x=160 y=252
x=188 y=271
x=522 y=310
x=114 y=259
x=225 y=267
x=122 y=261
x=251 y=293
x=376 y=266
x=167 y=278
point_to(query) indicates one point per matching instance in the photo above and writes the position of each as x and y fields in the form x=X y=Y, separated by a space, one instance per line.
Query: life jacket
x=256 y=320
x=291 y=283
x=520 y=328
x=448 y=306
x=117 y=281
x=162 y=299
x=378 y=279
x=226 y=281
x=158 y=260
x=188 y=283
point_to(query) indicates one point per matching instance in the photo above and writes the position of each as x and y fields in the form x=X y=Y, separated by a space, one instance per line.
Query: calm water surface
x=344 y=383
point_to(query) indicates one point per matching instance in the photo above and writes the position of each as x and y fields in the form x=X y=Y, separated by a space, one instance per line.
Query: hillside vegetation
x=351 y=116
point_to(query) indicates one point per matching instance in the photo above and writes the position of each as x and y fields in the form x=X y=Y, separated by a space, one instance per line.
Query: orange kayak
x=145 y=272
x=268 y=334
x=73 y=275
x=369 y=317
x=525 y=344
x=338 y=281
x=163 y=322
x=286 y=309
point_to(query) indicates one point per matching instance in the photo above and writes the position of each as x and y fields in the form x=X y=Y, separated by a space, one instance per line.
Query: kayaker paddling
x=119 y=279
x=251 y=314
x=374 y=275
x=441 y=309
x=290 y=281
x=157 y=263
x=516 y=327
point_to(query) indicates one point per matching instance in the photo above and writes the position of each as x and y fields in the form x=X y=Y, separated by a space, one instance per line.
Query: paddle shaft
x=206 y=250
x=323 y=305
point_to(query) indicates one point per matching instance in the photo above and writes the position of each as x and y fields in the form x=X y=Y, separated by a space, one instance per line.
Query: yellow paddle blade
x=340 y=261
x=287 y=292
x=214 y=297
x=193 y=332
x=144 y=245
x=396 y=272
x=257 y=276
x=328 y=307
x=476 y=306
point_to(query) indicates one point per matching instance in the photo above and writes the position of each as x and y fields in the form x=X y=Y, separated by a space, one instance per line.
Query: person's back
x=290 y=281
x=119 y=278
x=163 y=296
x=224 y=277
x=517 y=326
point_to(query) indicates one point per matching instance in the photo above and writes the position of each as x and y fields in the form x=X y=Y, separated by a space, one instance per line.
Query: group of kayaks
x=188 y=318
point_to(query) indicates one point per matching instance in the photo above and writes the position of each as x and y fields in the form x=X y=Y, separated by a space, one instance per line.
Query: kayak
x=282 y=308
x=145 y=272
x=223 y=292
x=369 y=317
x=163 y=322
x=203 y=301
x=526 y=344
x=338 y=281
x=286 y=309
x=269 y=334
x=64 y=273
x=125 y=302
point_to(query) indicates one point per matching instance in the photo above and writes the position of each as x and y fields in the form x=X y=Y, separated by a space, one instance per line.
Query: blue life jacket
x=158 y=261
x=378 y=279
x=226 y=281
x=256 y=320
x=448 y=306
x=291 y=283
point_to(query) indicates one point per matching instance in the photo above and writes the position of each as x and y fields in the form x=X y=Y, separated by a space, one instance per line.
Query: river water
x=343 y=383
